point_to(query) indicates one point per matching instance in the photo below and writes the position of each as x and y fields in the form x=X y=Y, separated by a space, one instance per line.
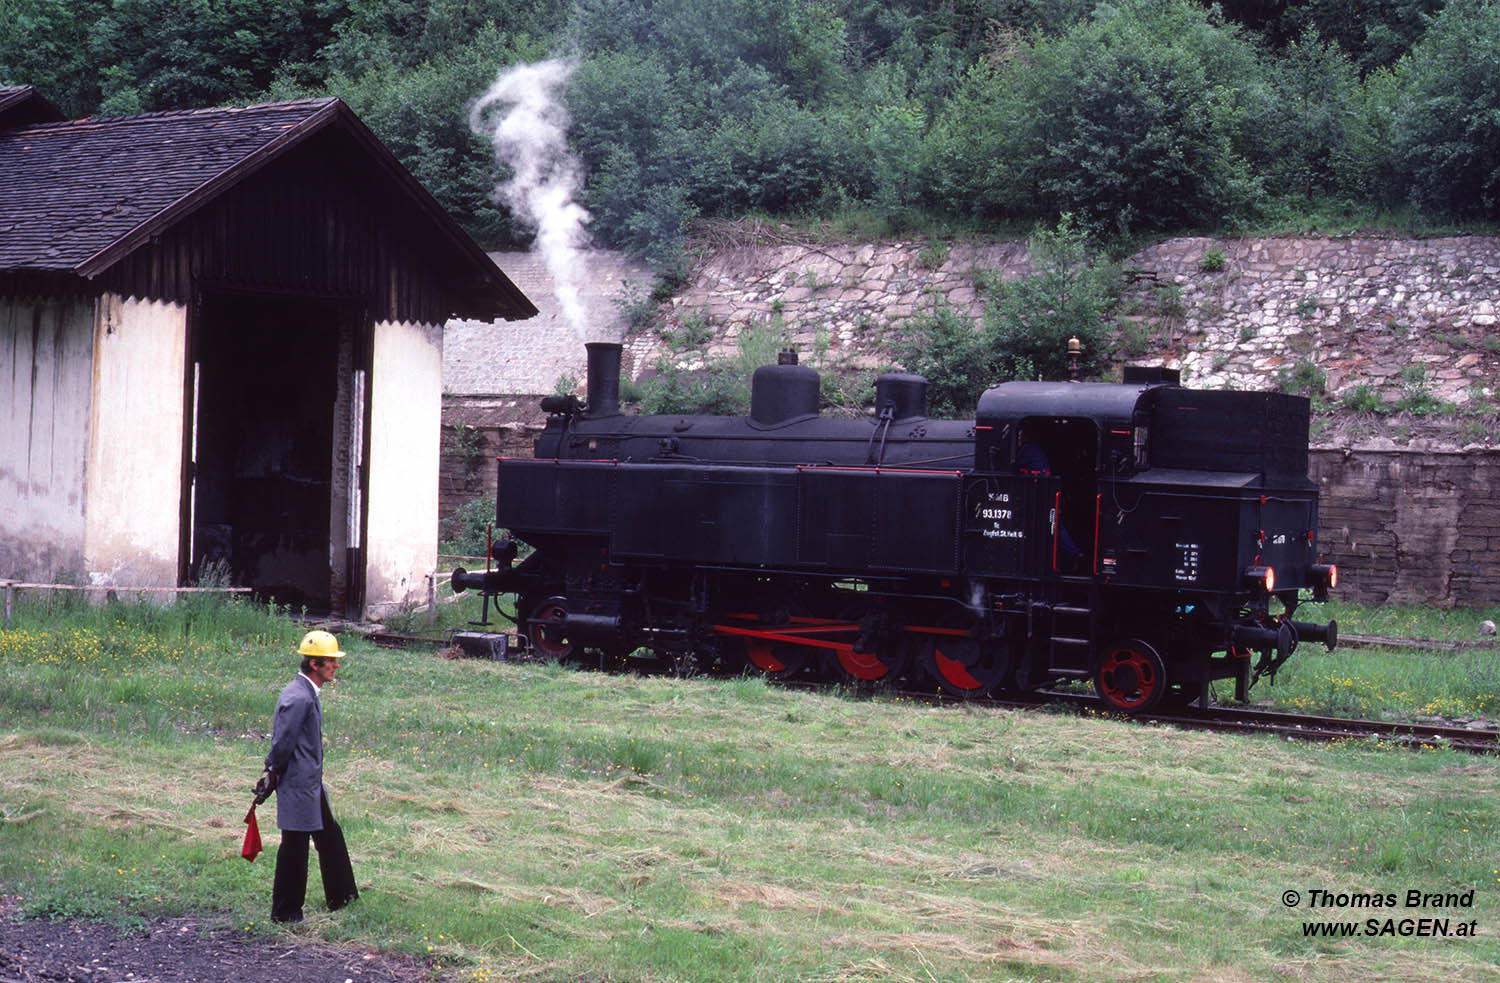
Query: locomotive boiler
x=1141 y=535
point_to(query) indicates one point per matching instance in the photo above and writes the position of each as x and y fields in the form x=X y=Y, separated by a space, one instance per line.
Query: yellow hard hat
x=319 y=644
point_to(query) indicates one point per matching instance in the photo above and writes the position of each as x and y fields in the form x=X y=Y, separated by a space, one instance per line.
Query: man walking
x=294 y=769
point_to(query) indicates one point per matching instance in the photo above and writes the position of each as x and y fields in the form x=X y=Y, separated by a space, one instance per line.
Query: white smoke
x=524 y=118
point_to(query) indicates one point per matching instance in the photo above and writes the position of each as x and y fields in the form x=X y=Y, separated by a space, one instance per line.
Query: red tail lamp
x=1324 y=577
x=1261 y=578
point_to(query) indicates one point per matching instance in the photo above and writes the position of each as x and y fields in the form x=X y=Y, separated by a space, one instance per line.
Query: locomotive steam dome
x=905 y=394
x=783 y=392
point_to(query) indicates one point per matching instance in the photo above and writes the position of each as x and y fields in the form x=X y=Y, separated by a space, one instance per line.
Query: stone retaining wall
x=1228 y=312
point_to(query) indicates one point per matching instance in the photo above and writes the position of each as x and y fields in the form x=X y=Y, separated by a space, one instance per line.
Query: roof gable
x=22 y=105
x=78 y=197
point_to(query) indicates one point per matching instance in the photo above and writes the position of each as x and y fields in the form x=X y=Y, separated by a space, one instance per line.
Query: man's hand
x=265 y=786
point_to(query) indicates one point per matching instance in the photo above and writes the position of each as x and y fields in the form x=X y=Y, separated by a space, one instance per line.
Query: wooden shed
x=221 y=351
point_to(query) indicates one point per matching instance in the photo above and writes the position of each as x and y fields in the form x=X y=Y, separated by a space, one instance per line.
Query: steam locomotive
x=1147 y=537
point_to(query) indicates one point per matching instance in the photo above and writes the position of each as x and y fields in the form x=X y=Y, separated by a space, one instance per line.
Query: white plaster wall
x=406 y=400
x=134 y=480
x=45 y=368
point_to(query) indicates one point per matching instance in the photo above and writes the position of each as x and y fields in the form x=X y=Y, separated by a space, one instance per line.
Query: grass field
x=524 y=822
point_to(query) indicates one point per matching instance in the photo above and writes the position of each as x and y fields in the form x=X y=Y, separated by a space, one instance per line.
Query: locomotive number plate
x=994 y=517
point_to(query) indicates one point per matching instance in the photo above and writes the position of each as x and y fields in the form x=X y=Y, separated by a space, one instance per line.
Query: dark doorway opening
x=267 y=504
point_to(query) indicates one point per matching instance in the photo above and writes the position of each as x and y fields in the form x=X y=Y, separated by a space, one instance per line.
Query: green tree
x=1302 y=115
x=420 y=113
x=1448 y=124
x=45 y=43
x=180 y=54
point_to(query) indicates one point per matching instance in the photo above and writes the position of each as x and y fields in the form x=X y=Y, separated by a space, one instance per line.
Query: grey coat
x=296 y=756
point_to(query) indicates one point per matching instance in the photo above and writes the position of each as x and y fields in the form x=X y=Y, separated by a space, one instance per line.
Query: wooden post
x=431 y=599
x=10 y=593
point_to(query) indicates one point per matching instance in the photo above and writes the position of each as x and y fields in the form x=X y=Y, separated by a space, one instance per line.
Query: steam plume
x=525 y=120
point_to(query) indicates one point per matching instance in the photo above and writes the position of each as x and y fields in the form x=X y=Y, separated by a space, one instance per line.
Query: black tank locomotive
x=1132 y=534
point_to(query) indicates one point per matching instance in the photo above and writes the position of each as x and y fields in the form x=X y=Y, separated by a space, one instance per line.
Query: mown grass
x=534 y=823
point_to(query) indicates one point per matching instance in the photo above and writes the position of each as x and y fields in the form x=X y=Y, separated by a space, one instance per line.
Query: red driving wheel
x=1131 y=677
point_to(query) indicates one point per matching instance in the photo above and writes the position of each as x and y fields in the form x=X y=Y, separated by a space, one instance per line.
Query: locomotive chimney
x=604 y=379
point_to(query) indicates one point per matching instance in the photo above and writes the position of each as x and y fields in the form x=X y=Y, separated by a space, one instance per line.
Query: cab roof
x=1109 y=404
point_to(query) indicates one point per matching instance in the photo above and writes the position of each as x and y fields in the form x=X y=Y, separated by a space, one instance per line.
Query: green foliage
x=1136 y=116
x=465 y=441
x=1026 y=325
x=1212 y=261
x=1374 y=33
x=465 y=531
x=956 y=357
x=1303 y=379
x=1448 y=140
x=1301 y=117
x=1067 y=295
x=720 y=388
x=1130 y=120
x=1361 y=399
x=420 y=113
x=1416 y=398
x=131 y=56
x=691 y=334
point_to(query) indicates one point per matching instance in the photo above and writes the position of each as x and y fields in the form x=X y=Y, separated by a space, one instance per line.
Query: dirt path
x=181 y=949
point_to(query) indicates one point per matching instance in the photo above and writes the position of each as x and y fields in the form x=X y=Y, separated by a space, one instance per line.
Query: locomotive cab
x=1145 y=530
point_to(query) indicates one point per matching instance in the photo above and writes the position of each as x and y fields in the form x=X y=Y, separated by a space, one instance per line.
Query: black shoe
x=288 y=919
x=341 y=902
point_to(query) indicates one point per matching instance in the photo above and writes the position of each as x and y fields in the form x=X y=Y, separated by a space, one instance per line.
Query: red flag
x=251 y=846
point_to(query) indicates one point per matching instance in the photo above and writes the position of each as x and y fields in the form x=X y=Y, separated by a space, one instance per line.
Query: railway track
x=1305 y=727
x=1311 y=727
x=1218 y=718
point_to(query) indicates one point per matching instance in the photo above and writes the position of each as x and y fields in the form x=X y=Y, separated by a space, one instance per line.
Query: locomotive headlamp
x=1261 y=578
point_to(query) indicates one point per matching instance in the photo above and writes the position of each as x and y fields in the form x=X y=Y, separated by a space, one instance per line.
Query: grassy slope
x=526 y=822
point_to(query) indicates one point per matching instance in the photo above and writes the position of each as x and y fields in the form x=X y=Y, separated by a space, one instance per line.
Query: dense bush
x=1130 y=120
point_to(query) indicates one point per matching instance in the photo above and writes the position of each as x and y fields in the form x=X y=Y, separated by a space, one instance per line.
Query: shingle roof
x=77 y=196
x=71 y=190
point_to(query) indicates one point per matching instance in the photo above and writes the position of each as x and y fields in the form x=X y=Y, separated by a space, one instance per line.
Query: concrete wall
x=405 y=431
x=530 y=356
x=134 y=469
x=1412 y=526
x=45 y=376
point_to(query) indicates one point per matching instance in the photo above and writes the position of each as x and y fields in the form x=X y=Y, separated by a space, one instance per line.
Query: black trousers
x=289 y=889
